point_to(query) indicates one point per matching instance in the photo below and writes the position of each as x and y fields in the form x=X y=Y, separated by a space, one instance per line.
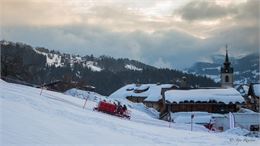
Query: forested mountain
x=40 y=65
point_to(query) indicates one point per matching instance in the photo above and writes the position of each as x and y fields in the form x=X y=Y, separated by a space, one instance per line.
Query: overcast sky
x=164 y=33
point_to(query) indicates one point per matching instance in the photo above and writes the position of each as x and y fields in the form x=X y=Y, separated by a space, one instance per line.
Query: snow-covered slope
x=137 y=107
x=84 y=94
x=132 y=67
x=28 y=118
x=51 y=59
x=92 y=65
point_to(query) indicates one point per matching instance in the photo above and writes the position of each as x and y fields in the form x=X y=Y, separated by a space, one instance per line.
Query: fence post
x=170 y=116
x=41 y=89
x=191 y=122
x=170 y=120
x=85 y=102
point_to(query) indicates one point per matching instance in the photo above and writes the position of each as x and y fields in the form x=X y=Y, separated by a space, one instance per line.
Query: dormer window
x=141 y=90
x=129 y=89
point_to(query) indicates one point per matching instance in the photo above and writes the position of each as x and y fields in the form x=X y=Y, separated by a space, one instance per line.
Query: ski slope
x=28 y=118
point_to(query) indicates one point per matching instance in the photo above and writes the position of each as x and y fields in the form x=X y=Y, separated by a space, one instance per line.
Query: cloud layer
x=162 y=33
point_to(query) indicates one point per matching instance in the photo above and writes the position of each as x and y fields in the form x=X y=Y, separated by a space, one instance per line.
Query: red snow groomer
x=113 y=109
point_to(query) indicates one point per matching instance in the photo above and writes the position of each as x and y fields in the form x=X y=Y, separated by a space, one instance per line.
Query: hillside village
x=169 y=99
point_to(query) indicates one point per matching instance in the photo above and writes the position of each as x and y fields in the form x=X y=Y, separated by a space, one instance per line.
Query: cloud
x=160 y=63
x=82 y=39
x=146 y=31
x=37 y=13
x=204 y=10
x=174 y=47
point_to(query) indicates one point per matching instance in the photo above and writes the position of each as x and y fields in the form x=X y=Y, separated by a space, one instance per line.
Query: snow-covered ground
x=132 y=67
x=84 y=94
x=92 y=65
x=51 y=59
x=28 y=118
x=216 y=78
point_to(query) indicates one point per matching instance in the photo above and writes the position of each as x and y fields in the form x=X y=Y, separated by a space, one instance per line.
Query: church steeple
x=227 y=63
x=226 y=72
x=227 y=60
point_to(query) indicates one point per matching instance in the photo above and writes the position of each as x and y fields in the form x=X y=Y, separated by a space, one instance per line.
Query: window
x=254 y=127
x=226 y=79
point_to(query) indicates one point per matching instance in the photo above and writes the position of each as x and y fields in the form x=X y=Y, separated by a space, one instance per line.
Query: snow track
x=60 y=99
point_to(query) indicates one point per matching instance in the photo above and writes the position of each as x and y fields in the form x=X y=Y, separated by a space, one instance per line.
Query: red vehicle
x=112 y=109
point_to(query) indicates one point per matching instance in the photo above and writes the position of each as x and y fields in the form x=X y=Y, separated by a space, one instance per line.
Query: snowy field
x=28 y=118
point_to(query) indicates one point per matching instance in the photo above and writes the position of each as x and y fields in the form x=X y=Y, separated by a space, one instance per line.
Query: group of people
x=120 y=109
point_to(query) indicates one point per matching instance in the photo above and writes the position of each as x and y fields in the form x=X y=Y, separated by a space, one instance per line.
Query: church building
x=227 y=77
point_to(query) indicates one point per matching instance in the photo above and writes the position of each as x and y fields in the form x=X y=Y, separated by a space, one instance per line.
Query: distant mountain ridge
x=246 y=69
x=95 y=64
x=40 y=65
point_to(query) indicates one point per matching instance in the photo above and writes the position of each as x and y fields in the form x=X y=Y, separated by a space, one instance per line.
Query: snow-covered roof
x=257 y=89
x=242 y=89
x=219 y=95
x=151 y=92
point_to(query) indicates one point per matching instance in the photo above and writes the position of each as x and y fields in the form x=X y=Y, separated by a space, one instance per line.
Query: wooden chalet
x=217 y=100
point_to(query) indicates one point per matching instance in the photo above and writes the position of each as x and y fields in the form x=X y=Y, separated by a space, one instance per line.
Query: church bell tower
x=227 y=77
